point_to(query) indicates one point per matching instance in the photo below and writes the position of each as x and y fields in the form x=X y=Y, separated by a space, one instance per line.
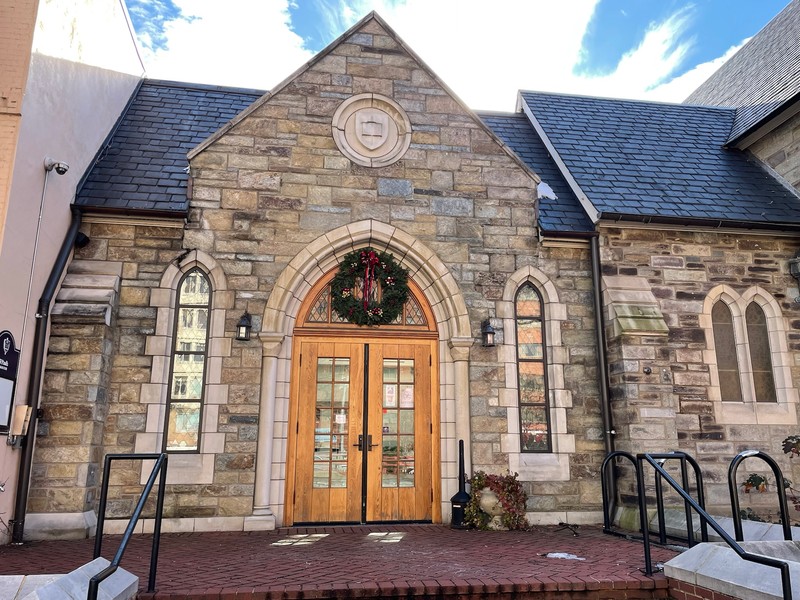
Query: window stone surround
x=194 y=468
x=552 y=466
x=750 y=412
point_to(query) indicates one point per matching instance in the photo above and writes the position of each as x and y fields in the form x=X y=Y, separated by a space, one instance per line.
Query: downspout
x=602 y=358
x=602 y=367
x=35 y=378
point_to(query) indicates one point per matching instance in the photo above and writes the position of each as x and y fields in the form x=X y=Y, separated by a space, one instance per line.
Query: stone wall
x=275 y=182
x=781 y=150
x=272 y=186
x=662 y=389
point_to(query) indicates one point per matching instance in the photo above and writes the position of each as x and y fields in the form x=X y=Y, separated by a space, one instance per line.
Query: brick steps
x=381 y=561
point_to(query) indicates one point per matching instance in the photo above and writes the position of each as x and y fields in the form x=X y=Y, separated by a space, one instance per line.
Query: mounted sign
x=9 y=364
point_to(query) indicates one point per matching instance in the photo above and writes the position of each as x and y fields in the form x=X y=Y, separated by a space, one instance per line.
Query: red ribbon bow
x=369 y=259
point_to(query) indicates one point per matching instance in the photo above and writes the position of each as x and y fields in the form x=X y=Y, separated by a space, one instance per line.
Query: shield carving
x=372 y=127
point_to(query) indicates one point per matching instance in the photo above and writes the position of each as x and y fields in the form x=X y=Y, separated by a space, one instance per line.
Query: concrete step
x=16 y=587
x=122 y=585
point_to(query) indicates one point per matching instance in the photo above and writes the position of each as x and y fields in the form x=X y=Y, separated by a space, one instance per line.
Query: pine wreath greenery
x=371 y=267
x=510 y=493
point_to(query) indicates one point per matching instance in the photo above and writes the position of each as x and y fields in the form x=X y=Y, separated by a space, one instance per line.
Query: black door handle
x=369 y=444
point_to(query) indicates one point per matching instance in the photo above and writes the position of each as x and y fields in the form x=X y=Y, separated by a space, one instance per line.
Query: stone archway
x=298 y=277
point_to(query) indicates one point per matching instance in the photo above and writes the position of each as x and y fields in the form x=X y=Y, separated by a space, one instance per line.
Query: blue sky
x=485 y=51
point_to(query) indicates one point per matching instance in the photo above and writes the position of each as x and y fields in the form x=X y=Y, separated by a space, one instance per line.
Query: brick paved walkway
x=369 y=562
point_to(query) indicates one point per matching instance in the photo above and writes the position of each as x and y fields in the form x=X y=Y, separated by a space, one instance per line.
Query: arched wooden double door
x=364 y=418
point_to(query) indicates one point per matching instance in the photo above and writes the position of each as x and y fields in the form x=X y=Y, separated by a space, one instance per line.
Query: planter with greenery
x=510 y=514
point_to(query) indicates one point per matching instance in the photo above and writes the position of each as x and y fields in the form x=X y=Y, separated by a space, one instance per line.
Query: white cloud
x=679 y=88
x=236 y=42
x=484 y=52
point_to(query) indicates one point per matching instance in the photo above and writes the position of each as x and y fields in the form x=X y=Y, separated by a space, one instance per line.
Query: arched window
x=532 y=371
x=725 y=346
x=750 y=366
x=188 y=365
x=760 y=353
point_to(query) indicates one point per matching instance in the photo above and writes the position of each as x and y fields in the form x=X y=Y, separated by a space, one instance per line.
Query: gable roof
x=762 y=79
x=144 y=167
x=660 y=162
x=559 y=209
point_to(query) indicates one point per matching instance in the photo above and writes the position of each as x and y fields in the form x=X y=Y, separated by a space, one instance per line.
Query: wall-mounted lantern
x=487 y=334
x=243 y=327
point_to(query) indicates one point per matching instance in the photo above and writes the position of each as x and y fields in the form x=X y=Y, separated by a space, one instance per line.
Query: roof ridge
x=631 y=100
x=201 y=86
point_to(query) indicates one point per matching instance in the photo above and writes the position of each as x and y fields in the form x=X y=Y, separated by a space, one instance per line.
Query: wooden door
x=399 y=415
x=363 y=443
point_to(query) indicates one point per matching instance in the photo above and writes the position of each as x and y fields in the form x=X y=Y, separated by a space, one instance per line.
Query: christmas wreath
x=354 y=288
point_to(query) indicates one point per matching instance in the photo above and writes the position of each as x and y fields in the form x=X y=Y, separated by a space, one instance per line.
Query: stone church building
x=632 y=259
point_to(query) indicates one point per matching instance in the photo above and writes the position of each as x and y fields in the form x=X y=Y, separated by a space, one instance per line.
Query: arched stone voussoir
x=318 y=257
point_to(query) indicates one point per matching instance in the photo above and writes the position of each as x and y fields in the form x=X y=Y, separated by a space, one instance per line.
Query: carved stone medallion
x=371 y=130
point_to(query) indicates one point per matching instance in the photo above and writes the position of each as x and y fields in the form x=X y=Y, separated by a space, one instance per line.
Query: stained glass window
x=531 y=372
x=756 y=359
x=322 y=312
x=725 y=347
x=187 y=373
x=760 y=354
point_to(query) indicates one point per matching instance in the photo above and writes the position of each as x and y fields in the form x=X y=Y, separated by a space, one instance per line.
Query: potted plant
x=756 y=481
x=791 y=445
x=497 y=502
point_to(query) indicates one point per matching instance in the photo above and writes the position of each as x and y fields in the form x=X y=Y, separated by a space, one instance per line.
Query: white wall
x=84 y=68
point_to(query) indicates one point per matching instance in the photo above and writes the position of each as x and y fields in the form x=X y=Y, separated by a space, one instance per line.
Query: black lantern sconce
x=243 y=327
x=794 y=271
x=487 y=334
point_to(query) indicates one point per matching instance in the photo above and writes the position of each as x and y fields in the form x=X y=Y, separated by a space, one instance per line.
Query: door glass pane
x=406 y=396
x=406 y=371
x=332 y=415
x=407 y=421
x=341 y=394
x=324 y=369
x=405 y=464
x=397 y=466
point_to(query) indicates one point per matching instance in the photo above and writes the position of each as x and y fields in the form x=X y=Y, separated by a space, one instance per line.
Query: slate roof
x=144 y=166
x=559 y=211
x=761 y=78
x=656 y=161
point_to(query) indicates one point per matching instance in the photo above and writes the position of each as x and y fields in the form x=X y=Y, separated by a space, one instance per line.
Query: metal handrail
x=159 y=468
x=756 y=558
x=779 y=481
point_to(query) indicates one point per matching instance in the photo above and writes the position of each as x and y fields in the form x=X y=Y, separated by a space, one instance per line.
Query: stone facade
x=663 y=386
x=275 y=205
x=781 y=150
x=263 y=194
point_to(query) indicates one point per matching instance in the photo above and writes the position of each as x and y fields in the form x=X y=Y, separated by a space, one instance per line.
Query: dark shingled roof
x=650 y=160
x=144 y=165
x=559 y=211
x=761 y=77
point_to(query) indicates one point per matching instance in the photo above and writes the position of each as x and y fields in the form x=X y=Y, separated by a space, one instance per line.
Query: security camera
x=60 y=167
